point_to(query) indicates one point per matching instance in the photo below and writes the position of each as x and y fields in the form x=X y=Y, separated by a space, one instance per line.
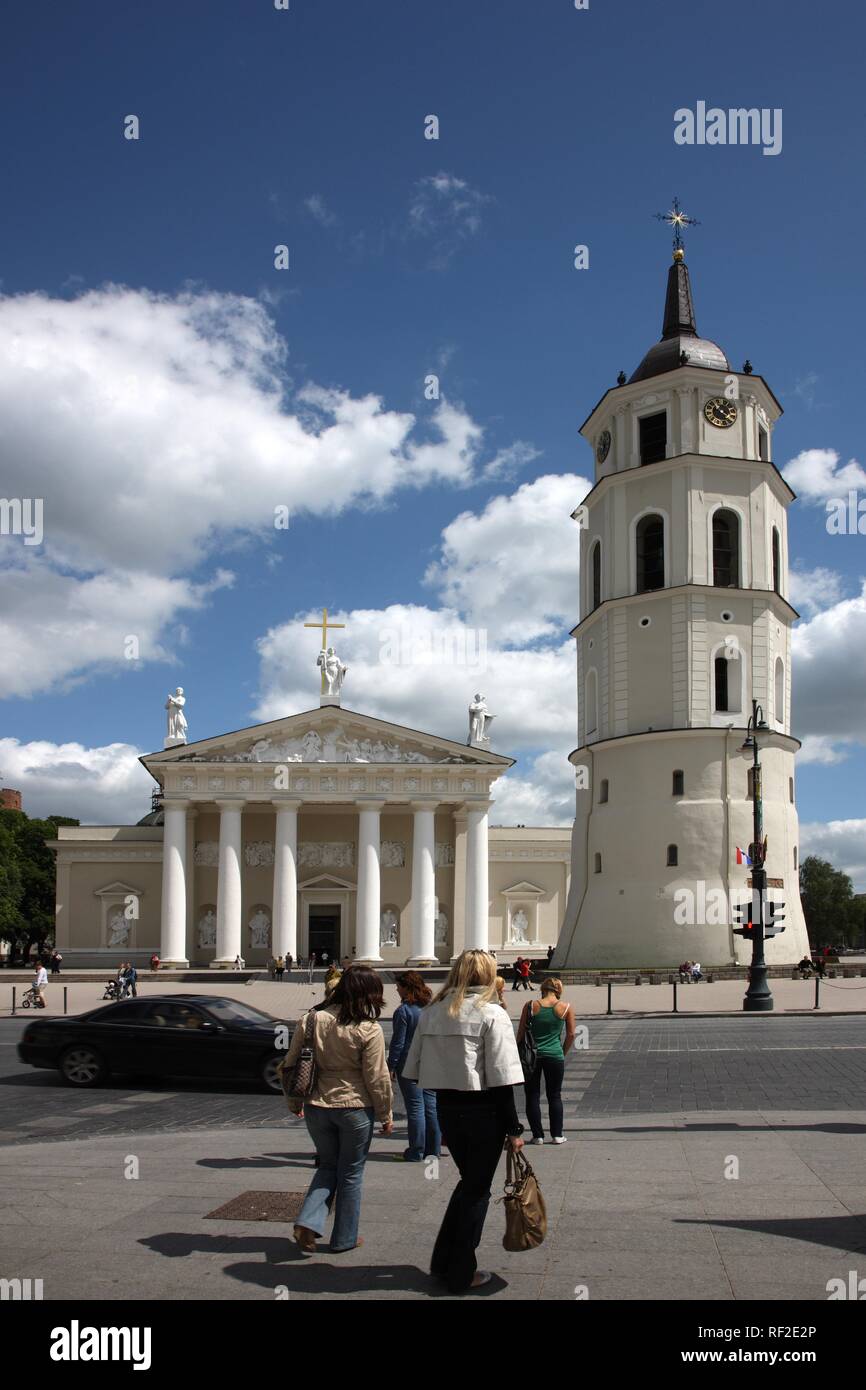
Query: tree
x=827 y=896
x=27 y=867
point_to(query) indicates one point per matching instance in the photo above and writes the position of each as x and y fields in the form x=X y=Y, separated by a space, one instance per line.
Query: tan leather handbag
x=525 y=1212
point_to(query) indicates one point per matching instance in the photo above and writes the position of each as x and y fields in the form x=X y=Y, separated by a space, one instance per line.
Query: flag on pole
x=743 y=857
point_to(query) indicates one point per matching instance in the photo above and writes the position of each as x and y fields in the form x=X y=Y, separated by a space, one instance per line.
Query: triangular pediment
x=328 y=883
x=327 y=736
x=524 y=889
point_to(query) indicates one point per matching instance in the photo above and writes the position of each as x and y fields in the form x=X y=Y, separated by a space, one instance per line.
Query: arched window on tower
x=591 y=703
x=777 y=562
x=650 y=553
x=779 y=701
x=727 y=682
x=726 y=549
x=595 y=574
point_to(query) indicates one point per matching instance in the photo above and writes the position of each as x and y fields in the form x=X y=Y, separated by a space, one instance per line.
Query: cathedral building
x=684 y=620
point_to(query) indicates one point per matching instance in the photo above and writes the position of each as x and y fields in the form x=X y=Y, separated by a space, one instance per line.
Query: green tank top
x=547 y=1031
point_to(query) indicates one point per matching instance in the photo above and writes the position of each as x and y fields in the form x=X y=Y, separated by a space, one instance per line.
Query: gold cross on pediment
x=324 y=627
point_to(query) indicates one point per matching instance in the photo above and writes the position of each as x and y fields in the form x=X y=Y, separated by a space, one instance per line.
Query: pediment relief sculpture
x=332 y=744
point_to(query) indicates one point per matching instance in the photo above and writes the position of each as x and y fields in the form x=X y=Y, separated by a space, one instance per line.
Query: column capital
x=476 y=806
x=430 y=805
x=236 y=804
x=288 y=805
x=175 y=803
x=362 y=805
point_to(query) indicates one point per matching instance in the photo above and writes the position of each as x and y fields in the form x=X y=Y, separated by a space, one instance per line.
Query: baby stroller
x=31 y=999
x=113 y=990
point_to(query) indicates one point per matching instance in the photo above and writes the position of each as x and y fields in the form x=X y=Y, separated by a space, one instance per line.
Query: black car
x=170 y=1035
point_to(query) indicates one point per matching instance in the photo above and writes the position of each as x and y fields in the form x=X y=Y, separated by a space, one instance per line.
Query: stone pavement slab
x=638 y=1209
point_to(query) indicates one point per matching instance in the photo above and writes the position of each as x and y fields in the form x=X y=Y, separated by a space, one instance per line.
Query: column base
x=179 y=964
x=423 y=960
x=367 y=960
x=227 y=965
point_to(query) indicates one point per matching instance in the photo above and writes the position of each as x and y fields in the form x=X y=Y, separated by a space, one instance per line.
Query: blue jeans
x=342 y=1139
x=423 y=1121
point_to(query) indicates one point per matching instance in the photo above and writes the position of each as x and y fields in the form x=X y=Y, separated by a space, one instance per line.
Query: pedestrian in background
x=547 y=1017
x=352 y=1090
x=290 y=960
x=279 y=967
x=56 y=958
x=422 y=1120
x=464 y=1050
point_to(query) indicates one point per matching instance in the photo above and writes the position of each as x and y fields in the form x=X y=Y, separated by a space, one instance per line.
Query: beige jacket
x=350 y=1060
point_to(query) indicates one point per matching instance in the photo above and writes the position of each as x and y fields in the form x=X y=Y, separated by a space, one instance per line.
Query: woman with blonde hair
x=545 y=1018
x=464 y=1050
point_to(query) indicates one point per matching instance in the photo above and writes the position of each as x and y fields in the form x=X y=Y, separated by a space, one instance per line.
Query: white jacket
x=472 y=1052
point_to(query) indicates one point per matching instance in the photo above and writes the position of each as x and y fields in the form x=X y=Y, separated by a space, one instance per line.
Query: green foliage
x=27 y=878
x=832 y=912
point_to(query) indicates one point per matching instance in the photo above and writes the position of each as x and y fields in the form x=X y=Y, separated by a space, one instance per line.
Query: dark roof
x=152 y=818
x=680 y=332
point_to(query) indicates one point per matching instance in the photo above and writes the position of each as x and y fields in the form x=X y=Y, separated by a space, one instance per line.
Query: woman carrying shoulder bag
x=464 y=1050
x=545 y=1019
x=352 y=1088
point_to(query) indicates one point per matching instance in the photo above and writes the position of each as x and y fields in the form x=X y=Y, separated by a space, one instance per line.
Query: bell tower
x=684 y=620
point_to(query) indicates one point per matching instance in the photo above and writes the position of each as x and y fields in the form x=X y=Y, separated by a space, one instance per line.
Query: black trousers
x=475 y=1136
x=553 y=1070
x=521 y=980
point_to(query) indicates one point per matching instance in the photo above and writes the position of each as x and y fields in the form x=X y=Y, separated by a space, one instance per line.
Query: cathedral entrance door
x=324 y=931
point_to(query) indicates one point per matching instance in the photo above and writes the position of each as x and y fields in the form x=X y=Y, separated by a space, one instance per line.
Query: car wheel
x=81 y=1066
x=270 y=1075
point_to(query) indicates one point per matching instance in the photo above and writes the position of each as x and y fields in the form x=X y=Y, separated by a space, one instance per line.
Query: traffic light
x=742 y=913
x=775 y=916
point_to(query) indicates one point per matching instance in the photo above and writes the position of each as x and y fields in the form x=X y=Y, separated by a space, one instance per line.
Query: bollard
x=609 y=994
x=816 y=1004
x=65 y=998
x=14 y=992
x=675 y=997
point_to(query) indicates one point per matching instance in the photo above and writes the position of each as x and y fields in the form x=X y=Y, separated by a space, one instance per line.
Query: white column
x=285 y=910
x=369 y=897
x=172 y=949
x=423 y=882
x=229 y=893
x=476 y=877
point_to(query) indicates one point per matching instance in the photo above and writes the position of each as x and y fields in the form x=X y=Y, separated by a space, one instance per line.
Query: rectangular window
x=602 y=791
x=679 y=786
x=653 y=437
x=763 y=444
x=721 y=673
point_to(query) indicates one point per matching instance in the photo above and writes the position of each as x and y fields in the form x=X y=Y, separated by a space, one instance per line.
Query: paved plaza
x=708 y=1158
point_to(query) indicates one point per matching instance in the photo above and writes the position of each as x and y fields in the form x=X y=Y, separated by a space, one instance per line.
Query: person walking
x=40 y=983
x=56 y=959
x=546 y=1017
x=311 y=966
x=279 y=967
x=425 y=1140
x=290 y=960
x=522 y=970
x=464 y=1050
x=131 y=979
x=352 y=1090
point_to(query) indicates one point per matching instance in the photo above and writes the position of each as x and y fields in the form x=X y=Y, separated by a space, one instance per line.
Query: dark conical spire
x=679 y=306
x=680 y=345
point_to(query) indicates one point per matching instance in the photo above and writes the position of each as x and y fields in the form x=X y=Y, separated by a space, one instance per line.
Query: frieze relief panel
x=207 y=854
x=444 y=855
x=330 y=855
x=392 y=854
x=259 y=852
x=330 y=745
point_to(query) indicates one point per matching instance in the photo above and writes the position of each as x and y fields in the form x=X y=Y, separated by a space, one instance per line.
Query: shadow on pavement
x=824 y=1127
x=844 y=1232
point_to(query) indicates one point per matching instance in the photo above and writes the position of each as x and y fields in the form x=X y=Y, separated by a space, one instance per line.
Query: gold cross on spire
x=677 y=219
x=325 y=627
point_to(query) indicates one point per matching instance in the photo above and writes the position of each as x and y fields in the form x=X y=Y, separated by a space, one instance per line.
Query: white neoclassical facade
x=327 y=831
x=684 y=619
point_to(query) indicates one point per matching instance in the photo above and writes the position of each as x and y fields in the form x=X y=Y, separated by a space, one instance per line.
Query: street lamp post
x=758 y=998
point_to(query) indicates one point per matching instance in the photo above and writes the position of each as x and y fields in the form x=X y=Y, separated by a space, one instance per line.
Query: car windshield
x=232 y=1011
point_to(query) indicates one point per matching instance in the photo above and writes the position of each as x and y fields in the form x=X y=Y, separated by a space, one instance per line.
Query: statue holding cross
x=332 y=668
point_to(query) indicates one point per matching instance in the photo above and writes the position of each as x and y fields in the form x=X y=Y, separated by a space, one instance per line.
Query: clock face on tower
x=602 y=449
x=721 y=412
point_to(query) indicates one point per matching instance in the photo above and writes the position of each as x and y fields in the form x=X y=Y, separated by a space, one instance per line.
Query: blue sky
x=410 y=256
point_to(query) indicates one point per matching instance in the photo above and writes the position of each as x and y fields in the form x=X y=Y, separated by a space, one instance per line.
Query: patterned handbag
x=299 y=1080
x=525 y=1212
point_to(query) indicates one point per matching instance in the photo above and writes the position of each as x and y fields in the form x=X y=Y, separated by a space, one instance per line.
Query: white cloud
x=446 y=210
x=513 y=568
x=98 y=786
x=157 y=432
x=829 y=675
x=815 y=476
x=813 y=590
x=318 y=208
x=842 y=842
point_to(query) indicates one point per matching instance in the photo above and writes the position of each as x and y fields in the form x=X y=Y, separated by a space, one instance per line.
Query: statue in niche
x=177 y=725
x=333 y=670
x=389 y=928
x=441 y=929
x=118 y=928
x=480 y=720
x=520 y=928
x=207 y=928
x=260 y=929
